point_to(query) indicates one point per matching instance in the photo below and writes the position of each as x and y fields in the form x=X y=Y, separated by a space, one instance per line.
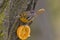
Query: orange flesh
x=23 y=32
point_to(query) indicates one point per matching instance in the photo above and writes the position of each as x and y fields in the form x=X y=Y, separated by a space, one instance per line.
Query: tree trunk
x=11 y=9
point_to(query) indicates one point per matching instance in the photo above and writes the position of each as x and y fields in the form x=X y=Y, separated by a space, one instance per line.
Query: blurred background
x=46 y=26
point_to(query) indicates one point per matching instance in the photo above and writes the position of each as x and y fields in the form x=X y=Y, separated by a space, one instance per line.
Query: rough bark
x=11 y=9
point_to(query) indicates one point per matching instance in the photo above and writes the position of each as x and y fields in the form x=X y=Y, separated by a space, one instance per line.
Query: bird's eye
x=28 y=17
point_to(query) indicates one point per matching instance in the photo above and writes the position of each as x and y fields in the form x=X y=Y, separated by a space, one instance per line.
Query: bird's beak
x=40 y=11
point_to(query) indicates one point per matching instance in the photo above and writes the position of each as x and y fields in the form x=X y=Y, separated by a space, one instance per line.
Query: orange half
x=23 y=32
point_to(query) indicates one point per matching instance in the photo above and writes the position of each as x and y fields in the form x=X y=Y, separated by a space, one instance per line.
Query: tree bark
x=12 y=8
